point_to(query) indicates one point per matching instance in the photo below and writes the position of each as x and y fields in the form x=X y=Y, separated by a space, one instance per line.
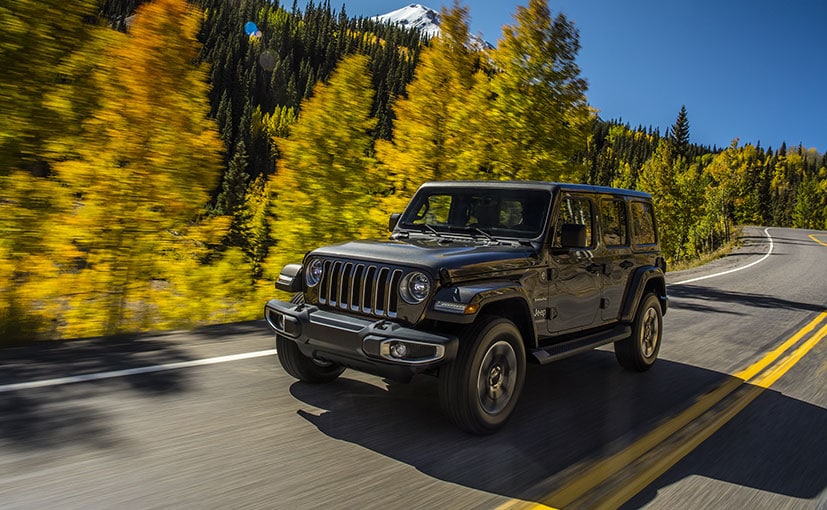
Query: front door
x=574 y=283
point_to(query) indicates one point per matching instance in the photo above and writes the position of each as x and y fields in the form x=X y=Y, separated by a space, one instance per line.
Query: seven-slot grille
x=359 y=287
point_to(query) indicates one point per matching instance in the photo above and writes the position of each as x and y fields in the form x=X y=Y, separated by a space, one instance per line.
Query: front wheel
x=479 y=389
x=639 y=352
x=303 y=368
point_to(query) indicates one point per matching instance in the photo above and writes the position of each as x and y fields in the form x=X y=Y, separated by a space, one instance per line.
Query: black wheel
x=639 y=351
x=300 y=366
x=303 y=368
x=479 y=389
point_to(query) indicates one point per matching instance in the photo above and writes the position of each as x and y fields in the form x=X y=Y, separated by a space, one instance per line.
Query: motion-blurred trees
x=540 y=113
x=39 y=44
x=327 y=181
x=47 y=49
x=274 y=69
x=149 y=160
x=425 y=140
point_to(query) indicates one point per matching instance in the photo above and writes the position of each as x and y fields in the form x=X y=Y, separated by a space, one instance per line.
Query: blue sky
x=755 y=70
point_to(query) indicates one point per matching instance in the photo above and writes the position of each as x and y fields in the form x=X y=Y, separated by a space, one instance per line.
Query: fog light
x=398 y=350
x=279 y=321
x=276 y=320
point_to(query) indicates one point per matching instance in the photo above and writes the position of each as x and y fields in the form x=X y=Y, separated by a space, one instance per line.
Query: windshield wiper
x=432 y=229
x=480 y=231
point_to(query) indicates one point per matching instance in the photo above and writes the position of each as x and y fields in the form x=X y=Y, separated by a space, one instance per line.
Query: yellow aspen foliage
x=326 y=181
x=423 y=130
x=144 y=173
x=540 y=114
x=32 y=256
x=40 y=44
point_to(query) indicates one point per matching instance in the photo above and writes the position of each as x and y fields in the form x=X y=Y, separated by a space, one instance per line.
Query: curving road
x=733 y=415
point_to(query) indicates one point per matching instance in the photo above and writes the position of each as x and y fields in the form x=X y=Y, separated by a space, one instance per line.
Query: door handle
x=594 y=268
x=626 y=264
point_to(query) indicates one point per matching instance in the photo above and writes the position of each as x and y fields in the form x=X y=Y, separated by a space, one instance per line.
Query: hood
x=458 y=256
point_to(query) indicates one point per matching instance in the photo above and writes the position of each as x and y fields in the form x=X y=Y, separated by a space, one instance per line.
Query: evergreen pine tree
x=679 y=133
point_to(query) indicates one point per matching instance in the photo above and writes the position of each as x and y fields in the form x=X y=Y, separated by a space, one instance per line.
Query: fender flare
x=477 y=296
x=641 y=279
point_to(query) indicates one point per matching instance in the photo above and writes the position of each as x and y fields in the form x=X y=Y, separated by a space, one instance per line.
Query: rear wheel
x=479 y=389
x=639 y=352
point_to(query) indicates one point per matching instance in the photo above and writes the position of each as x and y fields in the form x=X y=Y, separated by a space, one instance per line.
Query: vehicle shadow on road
x=45 y=417
x=580 y=409
x=695 y=296
x=776 y=445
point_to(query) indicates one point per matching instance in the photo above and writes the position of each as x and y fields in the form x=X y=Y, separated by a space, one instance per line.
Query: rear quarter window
x=643 y=223
x=615 y=231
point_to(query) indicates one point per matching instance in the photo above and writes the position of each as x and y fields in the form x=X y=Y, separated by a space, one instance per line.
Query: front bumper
x=380 y=347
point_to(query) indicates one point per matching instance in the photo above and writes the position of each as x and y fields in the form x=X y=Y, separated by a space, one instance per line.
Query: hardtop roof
x=538 y=185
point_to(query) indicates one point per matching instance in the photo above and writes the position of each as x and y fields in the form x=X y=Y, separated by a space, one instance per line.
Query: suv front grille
x=362 y=288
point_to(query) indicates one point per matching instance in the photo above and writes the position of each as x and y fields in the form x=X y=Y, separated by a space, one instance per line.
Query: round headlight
x=313 y=274
x=415 y=288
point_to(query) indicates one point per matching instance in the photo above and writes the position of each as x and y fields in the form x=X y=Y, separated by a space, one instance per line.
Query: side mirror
x=394 y=219
x=573 y=236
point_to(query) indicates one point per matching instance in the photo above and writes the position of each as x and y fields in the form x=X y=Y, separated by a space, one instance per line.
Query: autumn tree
x=47 y=52
x=325 y=180
x=39 y=41
x=540 y=112
x=150 y=159
x=660 y=177
x=421 y=146
x=808 y=211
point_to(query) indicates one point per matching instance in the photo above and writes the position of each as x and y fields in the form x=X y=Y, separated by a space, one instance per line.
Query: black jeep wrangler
x=476 y=280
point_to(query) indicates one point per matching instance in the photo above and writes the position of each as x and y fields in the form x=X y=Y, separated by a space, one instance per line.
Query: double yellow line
x=610 y=482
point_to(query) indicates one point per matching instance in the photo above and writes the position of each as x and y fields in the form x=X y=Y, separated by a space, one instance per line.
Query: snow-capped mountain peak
x=414 y=16
x=427 y=21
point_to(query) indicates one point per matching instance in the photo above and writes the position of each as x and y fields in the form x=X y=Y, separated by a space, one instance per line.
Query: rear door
x=614 y=255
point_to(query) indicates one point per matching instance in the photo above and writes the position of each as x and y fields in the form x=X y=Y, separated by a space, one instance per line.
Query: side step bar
x=546 y=355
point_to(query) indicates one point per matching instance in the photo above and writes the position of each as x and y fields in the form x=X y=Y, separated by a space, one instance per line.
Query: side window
x=615 y=226
x=643 y=223
x=577 y=211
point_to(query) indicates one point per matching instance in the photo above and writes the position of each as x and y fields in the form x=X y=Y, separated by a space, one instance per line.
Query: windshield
x=515 y=213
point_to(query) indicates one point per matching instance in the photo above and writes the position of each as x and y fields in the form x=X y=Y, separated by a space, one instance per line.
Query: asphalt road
x=240 y=433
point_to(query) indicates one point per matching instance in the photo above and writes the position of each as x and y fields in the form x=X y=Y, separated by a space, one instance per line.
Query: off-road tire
x=300 y=366
x=303 y=368
x=640 y=351
x=479 y=389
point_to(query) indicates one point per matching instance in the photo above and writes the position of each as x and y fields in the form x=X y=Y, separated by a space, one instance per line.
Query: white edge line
x=132 y=371
x=762 y=259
